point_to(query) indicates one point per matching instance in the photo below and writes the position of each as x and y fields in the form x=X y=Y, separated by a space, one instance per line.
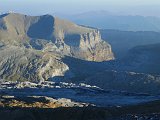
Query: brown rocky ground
x=38 y=102
x=147 y=111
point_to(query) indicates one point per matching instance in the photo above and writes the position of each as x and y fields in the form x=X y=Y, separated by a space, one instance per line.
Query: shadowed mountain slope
x=145 y=59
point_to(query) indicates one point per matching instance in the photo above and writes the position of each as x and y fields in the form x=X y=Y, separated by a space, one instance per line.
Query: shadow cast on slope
x=42 y=29
x=83 y=69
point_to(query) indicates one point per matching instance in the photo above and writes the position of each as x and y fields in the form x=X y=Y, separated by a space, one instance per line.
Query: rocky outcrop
x=89 y=47
x=21 y=64
x=38 y=102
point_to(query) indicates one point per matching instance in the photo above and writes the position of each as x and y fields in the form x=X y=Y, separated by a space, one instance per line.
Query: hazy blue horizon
x=38 y=7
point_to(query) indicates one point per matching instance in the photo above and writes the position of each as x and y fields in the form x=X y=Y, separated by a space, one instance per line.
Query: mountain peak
x=62 y=33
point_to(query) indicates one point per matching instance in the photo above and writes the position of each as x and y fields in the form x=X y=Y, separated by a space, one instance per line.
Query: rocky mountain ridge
x=32 y=47
x=68 y=38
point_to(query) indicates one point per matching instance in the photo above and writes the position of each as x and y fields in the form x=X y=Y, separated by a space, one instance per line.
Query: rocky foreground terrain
x=147 y=111
x=37 y=102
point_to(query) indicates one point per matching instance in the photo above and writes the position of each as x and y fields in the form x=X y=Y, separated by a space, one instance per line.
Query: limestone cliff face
x=89 y=46
x=97 y=49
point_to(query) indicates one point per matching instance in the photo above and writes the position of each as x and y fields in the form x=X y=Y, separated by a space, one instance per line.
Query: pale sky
x=78 y=6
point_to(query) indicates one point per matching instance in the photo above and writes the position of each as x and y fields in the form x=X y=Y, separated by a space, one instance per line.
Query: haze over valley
x=100 y=62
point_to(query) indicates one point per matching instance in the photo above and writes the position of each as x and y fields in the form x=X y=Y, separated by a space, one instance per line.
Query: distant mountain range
x=123 y=41
x=107 y=20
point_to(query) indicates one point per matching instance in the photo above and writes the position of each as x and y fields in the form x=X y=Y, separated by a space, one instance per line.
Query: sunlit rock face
x=26 y=64
x=32 y=47
x=89 y=46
